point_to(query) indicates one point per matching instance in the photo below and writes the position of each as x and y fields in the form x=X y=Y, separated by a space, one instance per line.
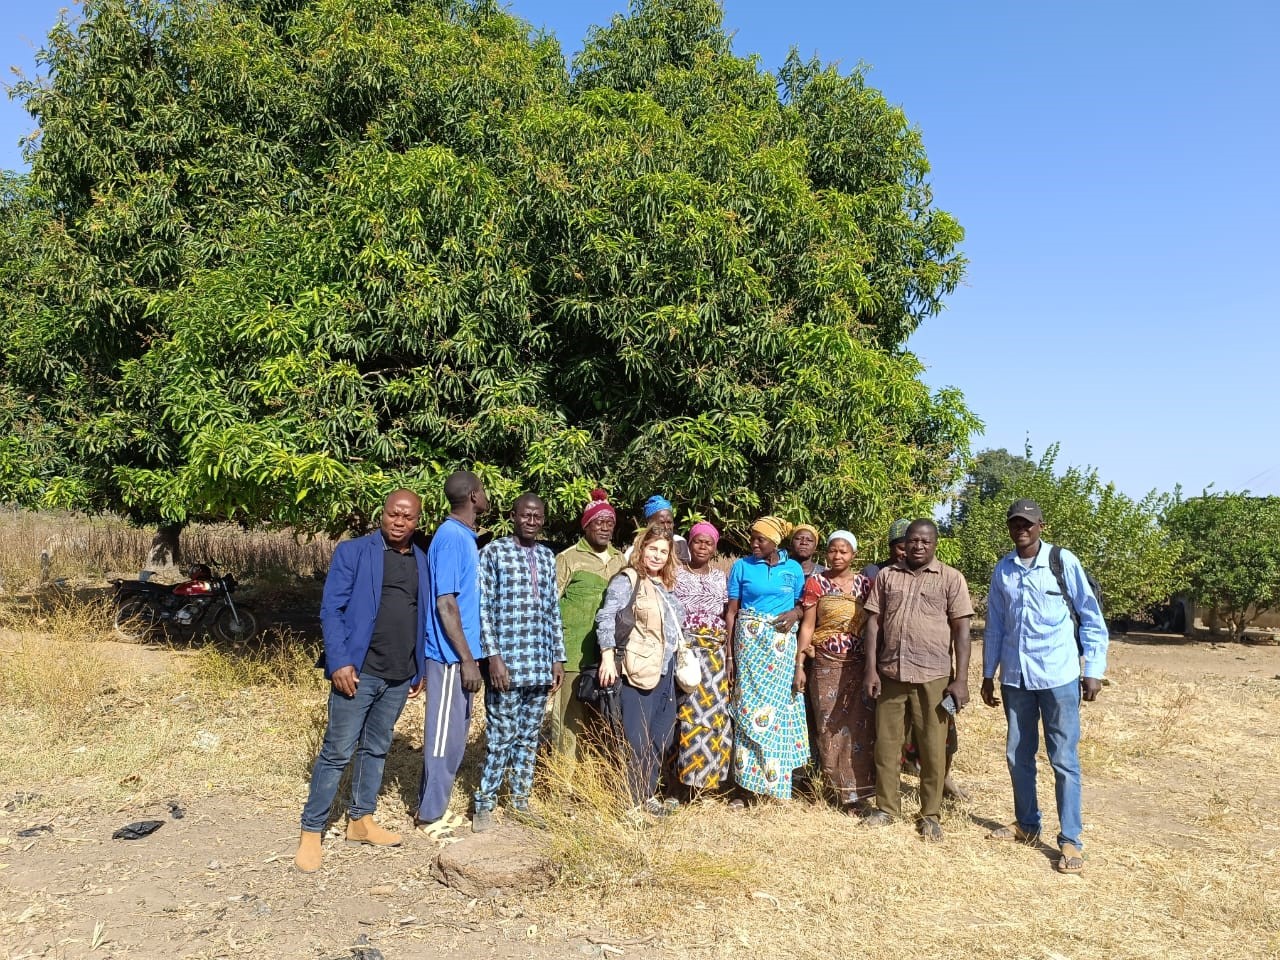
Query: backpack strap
x=1055 y=564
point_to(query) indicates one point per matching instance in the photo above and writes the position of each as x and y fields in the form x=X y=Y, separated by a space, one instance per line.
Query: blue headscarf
x=655 y=504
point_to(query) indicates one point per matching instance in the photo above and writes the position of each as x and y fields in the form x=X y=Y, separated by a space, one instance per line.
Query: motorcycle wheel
x=234 y=627
x=134 y=620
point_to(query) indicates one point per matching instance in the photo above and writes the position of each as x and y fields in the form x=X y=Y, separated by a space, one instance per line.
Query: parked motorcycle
x=202 y=601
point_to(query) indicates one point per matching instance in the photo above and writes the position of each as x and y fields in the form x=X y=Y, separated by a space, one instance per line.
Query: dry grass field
x=1182 y=806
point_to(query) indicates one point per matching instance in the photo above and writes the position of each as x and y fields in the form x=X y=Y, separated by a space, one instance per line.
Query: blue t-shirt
x=769 y=590
x=453 y=567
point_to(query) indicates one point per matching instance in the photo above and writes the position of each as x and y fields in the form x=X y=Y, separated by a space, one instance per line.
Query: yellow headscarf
x=817 y=537
x=772 y=528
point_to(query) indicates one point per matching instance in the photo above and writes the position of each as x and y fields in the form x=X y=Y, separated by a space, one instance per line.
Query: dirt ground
x=218 y=882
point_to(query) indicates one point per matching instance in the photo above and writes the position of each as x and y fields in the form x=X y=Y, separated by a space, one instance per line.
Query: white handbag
x=688 y=669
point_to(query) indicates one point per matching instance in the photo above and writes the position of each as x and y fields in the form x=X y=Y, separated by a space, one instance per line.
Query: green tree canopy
x=1232 y=547
x=1120 y=541
x=285 y=256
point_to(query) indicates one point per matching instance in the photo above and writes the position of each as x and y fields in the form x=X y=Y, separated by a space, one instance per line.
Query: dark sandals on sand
x=1072 y=859
x=1013 y=832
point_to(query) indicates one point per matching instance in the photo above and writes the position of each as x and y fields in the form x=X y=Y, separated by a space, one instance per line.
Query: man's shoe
x=929 y=829
x=307 y=859
x=364 y=830
x=482 y=821
x=521 y=813
x=877 y=818
x=1014 y=833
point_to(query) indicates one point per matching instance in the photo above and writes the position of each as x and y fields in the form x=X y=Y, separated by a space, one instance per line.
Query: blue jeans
x=363 y=725
x=1059 y=709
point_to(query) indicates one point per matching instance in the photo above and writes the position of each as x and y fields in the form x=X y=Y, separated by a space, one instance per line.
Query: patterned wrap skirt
x=704 y=725
x=771 y=736
x=845 y=721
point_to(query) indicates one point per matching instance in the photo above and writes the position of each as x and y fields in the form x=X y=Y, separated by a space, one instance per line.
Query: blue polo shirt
x=768 y=590
x=453 y=567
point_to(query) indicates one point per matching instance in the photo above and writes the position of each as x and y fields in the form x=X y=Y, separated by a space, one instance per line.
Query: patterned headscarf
x=772 y=528
x=704 y=529
x=655 y=504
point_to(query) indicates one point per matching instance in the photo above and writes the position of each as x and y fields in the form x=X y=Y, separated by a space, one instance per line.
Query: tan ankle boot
x=307 y=859
x=365 y=830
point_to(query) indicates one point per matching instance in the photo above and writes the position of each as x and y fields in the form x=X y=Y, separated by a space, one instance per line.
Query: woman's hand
x=608 y=672
x=787 y=620
x=801 y=679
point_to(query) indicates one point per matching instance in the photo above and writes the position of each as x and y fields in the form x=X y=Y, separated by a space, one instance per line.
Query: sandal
x=1072 y=859
x=736 y=805
x=1013 y=832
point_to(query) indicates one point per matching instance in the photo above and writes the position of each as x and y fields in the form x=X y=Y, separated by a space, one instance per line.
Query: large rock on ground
x=505 y=860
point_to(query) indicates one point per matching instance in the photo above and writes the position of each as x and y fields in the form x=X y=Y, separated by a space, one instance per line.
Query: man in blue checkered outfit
x=522 y=639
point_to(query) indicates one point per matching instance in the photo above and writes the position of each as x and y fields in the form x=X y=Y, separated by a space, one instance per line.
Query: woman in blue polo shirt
x=771 y=738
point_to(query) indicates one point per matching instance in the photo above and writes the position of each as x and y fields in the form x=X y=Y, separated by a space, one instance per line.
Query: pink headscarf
x=705 y=529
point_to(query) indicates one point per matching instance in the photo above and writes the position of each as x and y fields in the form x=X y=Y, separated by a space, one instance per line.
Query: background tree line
x=275 y=257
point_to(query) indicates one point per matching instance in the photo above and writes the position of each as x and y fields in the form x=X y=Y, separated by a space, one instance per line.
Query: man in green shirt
x=582 y=574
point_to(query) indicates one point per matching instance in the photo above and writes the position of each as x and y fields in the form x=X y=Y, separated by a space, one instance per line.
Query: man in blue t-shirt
x=452 y=647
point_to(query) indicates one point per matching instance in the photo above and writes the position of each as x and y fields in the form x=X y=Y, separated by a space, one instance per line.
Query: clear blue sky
x=1115 y=168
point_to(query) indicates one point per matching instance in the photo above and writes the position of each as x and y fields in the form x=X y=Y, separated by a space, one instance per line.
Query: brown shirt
x=916 y=608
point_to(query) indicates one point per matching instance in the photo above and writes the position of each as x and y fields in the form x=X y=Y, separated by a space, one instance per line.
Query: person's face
x=701 y=549
x=528 y=518
x=654 y=556
x=921 y=544
x=599 y=531
x=898 y=551
x=400 y=518
x=839 y=556
x=664 y=521
x=803 y=545
x=1023 y=532
x=762 y=546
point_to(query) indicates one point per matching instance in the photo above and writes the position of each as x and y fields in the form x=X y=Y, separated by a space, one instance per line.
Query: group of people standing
x=711 y=684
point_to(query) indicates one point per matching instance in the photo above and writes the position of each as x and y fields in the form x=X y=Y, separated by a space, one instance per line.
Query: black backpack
x=1055 y=564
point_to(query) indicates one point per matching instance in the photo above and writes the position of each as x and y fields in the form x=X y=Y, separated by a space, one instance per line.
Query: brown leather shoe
x=365 y=830
x=307 y=859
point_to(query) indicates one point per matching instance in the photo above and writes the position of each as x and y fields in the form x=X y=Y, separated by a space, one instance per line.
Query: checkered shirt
x=520 y=619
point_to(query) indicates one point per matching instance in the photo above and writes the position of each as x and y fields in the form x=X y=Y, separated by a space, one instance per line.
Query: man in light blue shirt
x=1030 y=638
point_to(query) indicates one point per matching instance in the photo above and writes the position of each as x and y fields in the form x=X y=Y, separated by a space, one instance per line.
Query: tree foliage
x=1120 y=541
x=1232 y=547
x=280 y=257
x=988 y=476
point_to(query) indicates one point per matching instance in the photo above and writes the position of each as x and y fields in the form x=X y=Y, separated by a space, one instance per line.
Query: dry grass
x=39 y=547
x=1182 y=800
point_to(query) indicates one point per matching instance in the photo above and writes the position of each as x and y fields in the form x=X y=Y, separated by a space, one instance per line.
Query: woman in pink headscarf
x=704 y=729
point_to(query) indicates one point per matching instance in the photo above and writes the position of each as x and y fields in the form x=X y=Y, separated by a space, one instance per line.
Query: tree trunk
x=164 y=546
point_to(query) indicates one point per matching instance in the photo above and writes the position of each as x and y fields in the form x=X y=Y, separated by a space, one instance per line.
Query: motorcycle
x=200 y=601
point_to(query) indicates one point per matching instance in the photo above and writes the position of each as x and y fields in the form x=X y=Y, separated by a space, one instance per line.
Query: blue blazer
x=349 y=607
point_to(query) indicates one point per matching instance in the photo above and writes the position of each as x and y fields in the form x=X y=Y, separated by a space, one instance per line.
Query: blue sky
x=1114 y=166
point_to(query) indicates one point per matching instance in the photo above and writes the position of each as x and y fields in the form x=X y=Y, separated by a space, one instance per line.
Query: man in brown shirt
x=917 y=615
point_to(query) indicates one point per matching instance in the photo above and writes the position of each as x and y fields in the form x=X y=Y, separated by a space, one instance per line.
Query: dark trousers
x=917 y=704
x=649 y=723
x=444 y=739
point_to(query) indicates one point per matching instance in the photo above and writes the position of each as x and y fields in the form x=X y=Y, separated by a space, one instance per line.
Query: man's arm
x=338 y=586
x=451 y=621
x=1094 y=636
x=993 y=637
x=959 y=687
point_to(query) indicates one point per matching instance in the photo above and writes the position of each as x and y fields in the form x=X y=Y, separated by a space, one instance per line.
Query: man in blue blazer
x=373 y=615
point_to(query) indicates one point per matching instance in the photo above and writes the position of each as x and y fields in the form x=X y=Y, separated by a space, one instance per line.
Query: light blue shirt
x=1029 y=633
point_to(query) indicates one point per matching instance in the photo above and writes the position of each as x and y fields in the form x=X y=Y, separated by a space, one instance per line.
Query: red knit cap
x=599 y=504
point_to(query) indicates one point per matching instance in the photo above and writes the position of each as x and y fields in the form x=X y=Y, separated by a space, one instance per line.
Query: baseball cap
x=1027 y=509
x=898 y=530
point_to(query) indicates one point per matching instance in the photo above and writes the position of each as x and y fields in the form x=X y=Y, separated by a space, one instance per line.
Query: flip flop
x=1013 y=832
x=1072 y=859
